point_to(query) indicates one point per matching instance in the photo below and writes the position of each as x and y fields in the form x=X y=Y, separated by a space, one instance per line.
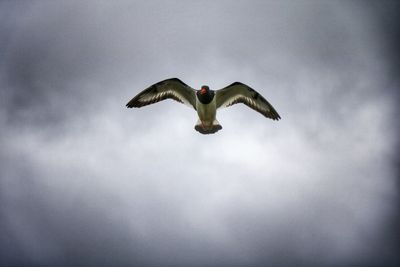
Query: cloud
x=85 y=181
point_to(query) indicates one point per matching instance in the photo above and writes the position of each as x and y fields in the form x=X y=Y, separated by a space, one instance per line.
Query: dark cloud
x=388 y=24
x=86 y=182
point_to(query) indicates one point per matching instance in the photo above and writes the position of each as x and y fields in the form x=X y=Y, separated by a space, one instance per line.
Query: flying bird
x=205 y=101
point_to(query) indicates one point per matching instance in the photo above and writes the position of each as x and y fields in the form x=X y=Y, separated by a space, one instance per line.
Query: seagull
x=205 y=101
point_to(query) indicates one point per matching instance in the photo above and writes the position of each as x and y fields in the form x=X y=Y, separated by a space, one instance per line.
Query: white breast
x=206 y=112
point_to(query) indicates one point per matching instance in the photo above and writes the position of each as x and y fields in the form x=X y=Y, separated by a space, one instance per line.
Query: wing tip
x=274 y=116
x=133 y=104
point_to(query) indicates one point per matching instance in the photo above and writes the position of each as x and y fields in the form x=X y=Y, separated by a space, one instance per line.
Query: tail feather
x=215 y=127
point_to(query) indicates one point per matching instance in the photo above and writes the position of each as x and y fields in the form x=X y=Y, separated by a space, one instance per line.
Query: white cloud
x=314 y=183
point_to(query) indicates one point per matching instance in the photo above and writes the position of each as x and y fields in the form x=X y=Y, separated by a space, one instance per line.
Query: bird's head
x=205 y=95
x=204 y=89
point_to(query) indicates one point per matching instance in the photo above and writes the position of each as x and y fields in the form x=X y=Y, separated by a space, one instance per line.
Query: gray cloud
x=85 y=181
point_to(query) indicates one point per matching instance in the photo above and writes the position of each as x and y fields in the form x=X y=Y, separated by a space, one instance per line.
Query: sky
x=84 y=181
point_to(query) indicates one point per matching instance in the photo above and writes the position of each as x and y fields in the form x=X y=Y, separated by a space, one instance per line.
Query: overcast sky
x=85 y=181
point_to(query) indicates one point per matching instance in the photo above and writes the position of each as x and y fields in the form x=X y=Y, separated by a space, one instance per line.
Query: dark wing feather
x=240 y=93
x=170 y=88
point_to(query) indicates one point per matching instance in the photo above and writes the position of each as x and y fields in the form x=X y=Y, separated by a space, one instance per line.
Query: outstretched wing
x=170 y=88
x=240 y=93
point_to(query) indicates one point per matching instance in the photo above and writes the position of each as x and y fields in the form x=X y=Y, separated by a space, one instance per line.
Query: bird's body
x=205 y=101
x=206 y=108
x=207 y=112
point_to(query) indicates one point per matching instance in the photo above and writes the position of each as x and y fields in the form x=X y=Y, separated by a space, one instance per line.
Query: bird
x=205 y=101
